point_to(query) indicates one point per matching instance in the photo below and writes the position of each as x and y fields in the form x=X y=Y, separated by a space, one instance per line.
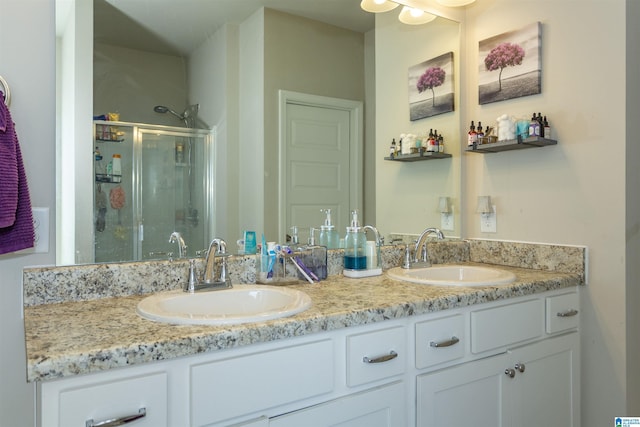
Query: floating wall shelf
x=418 y=157
x=511 y=144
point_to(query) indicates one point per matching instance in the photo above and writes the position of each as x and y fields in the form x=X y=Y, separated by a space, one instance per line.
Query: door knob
x=520 y=367
x=510 y=372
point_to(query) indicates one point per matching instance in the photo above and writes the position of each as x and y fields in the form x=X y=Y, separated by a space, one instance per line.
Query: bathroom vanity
x=374 y=351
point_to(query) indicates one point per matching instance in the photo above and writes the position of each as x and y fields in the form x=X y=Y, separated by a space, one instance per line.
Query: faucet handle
x=407 y=257
x=193 y=281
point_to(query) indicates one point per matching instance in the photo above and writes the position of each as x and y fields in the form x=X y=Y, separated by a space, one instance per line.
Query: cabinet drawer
x=562 y=312
x=242 y=385
x=509 y=324
x=375 y=355
x=114 y=399
x=440 y=340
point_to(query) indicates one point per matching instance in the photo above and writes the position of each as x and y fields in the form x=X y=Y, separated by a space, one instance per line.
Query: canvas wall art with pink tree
x=509 y=65
x=431 y=87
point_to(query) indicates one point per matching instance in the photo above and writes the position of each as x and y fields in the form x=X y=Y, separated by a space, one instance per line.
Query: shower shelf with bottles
x=108 y=133
x=108 y=179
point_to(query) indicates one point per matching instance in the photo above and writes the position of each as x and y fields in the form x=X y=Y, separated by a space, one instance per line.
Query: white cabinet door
x=548 y=389
x=531 y=386
x=380 y=407
x=471 y=394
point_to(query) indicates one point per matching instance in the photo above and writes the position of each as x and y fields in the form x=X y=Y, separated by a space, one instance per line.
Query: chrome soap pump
x=329 y=236
x=355 y=245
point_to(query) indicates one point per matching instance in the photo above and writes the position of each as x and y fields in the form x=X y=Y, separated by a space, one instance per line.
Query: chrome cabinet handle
x=380 y=359
x=114 y=422
x=519 y=367
x=446 y=343
x=568 y=313
x=510 y=372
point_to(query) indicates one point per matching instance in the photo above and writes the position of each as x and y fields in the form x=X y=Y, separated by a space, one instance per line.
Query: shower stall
x=151 y=181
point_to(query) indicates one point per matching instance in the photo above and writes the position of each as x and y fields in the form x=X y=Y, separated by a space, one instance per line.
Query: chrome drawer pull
x=390 y=356
x=568 y=313
x=114 y=422
x=446 y=343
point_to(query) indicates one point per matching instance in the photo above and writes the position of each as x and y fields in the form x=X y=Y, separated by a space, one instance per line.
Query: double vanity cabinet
x=493 y=361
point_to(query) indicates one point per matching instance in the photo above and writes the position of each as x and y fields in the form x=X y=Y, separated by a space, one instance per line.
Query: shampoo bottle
x=329 y=236
x=355 y=245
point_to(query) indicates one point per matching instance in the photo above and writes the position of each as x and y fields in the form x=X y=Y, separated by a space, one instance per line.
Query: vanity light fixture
x=487 y=211
x=446 y=214
x=443 y=205
x=408 y=15
x=484 y=205
x=377 y=6
x=414 y=16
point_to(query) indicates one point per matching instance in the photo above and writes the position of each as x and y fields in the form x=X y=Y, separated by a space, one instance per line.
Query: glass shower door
x=173 y=191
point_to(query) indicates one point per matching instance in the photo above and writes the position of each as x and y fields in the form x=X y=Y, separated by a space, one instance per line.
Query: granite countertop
x=78 y=337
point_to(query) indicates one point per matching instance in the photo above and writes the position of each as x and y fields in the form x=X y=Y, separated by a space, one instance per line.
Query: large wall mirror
x=224 y=65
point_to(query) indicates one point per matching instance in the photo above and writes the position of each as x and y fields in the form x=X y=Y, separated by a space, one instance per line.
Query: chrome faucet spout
x=209 y=269
x=420 y=256
x=210 y=281
x=176 y=237
x=375 y=232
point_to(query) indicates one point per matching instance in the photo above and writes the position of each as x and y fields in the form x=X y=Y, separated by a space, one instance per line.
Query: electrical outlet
x=446 y=221
x=488 y=221
x=41 y=230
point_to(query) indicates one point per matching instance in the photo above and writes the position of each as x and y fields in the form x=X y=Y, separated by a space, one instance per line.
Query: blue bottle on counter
x=355 y=245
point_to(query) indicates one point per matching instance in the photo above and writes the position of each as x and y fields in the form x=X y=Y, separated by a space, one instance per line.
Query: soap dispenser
x=314 y=256
x=293 y=241
x=355 y=246
x=329 y=236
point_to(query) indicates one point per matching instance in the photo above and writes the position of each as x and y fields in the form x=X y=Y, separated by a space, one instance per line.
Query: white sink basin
x=453 y=275
x=241 y=304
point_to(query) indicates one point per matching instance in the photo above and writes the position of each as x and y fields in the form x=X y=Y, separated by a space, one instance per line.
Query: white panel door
x=317 y=165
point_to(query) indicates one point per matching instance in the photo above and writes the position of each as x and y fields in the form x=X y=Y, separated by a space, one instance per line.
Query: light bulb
x=413 y=16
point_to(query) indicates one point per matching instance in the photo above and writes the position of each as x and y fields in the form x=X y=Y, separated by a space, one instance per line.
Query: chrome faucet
x=223 y=281
x=210 y=282
x=420 y=256
x=182 y=246
x=379 y=240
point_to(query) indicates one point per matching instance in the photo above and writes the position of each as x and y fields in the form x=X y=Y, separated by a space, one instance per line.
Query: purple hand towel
x=16 y=218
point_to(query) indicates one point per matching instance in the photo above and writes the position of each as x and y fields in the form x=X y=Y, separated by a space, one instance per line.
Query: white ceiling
x=178 y=26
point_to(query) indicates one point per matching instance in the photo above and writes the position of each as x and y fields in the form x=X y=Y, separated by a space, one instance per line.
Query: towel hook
x=6 y=91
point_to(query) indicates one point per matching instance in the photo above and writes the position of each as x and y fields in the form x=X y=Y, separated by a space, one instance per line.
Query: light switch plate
x=488 y=222
x=41 y=230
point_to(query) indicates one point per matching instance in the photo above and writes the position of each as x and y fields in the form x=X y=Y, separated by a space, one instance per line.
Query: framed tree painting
x=431 y=87
x=510 y=65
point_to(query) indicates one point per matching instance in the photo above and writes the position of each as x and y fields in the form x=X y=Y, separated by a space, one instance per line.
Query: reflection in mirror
x=162 y=55
x=152 y=188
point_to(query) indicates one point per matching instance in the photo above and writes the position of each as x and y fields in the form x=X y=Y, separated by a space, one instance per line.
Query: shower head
x=189 y=117
x=162 y=109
